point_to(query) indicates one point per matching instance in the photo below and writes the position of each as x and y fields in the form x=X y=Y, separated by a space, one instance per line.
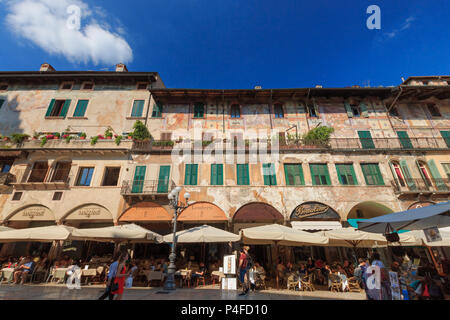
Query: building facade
x=390 y=151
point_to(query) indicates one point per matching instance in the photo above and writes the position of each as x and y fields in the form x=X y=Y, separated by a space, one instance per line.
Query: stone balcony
x=74 y=144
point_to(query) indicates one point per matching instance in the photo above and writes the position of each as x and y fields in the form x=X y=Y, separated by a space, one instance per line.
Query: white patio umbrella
x=2 y=228
x=129 y=232
x=203 y=234
x=281 y=235
x=41 y=234
x=351 y=237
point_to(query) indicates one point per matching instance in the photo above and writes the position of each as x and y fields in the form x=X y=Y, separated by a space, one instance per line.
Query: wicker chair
x=260 y=281
x=335 y=283
x=292 y=281
x=353 y=284
x=307 y=283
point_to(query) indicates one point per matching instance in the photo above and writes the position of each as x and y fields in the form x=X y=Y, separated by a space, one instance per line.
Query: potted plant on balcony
x=67 y=137
x=118 y=139
x=108 y=134
x=83 y=136
x=44 y=141
x=19 y=138
x=50 y=137
x=317 y=137
x=57 y=135
x=94 y=140
x=141 y=133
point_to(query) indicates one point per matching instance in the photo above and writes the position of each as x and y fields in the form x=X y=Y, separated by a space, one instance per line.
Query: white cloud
x=406 y=25
x=44 y=22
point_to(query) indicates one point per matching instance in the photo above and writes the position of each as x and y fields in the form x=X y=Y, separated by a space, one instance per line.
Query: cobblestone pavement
x=61 y=292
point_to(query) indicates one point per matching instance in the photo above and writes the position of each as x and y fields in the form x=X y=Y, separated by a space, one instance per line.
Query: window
x=433 y=110
x=87 y=85
x=5 y=166
x=346 y=174
x=294 y=175
x=61 y=173
x=2 y=101
x=163 y=182
x=157 y=110
x=85 y=177
x=142 y=85
x=446 y=136
x=66 y=86
x=278 y=110
x=199 y=110
x=217 y=174
x=398 y=175
x=313 y=111
x=270 y=177
x=242 y=175
x=366 y=140
x=138 y=108
x=446 y=167
x=3 y=86
x=57 y=196
x=320 y=175
x=166 y=136
x=432 y=168
x=404 y=140
x=17 y=196
x=111 y=177
x=372 y=174
x=190 y=176
x=402 y=174
x=39 y=172
x=235 y=111
x=58 y=108
x=80 y=109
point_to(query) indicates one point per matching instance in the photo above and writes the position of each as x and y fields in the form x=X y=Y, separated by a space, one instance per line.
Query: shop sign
x=90 y=212
x=432 y=234
x=229 y=264
x=39 y=213
x=314 y=209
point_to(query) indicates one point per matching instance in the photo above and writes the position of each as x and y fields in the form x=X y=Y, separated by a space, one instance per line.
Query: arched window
x=398 y=174
x=235 y=111
x=425 y=173
x=278 y=110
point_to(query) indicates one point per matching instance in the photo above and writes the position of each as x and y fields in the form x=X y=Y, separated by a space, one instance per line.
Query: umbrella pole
x=432 y=258
x=276 y=264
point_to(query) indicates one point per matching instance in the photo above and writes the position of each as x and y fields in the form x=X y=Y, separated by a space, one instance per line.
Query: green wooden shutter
x=404 y=140
x=353 y=174
x=139 y=177
x=348 y=109
x=364 y=110
x=65 y=108
x=436 y=176
x=266 y=174
x=80 y=110
x=446 y=136
x=372 y=174
x=366 y=139
x=194 y=174
x=50 y=108
x=243 y=174
x=407 y=175
x=246 y=174
x=288 y=174
x=138 y=108
x=163 y=182
x=219 y=174
x=340 y=171
x=314 y=173
x=326 y=173
x=187 y=175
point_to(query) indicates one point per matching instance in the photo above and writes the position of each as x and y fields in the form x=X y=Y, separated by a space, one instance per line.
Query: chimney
x=258 y=87
x=45 y=67
x=121 y=68
x=318 y=86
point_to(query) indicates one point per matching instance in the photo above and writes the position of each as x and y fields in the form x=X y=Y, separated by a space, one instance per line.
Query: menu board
x=229 y=284
x=229 y=264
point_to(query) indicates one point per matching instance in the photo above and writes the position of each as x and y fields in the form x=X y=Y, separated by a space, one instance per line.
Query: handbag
x=114 y=286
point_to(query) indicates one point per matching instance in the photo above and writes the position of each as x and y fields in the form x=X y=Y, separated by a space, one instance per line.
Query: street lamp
x=173 y=201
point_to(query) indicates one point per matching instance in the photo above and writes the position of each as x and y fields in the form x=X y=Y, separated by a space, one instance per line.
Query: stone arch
x=258 y=211
x=88 y=212
x=367 y=210
x=31 y=212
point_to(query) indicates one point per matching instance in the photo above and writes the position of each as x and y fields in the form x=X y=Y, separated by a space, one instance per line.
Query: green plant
x=43 y=141
x=163 y=143
x=108 y=133
x=141 y=132
x=118 y=139
x=68 y=138
x=94 y=140
x=318 y=136
x=18 y=138
x=57 y=135
x=83 y=135
x=206 y=143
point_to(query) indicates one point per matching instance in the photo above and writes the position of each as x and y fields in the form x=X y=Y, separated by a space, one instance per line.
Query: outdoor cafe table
x=7 y=273
x=183 y=274
x=60 y=273
x=88 y=273
x=218 y=274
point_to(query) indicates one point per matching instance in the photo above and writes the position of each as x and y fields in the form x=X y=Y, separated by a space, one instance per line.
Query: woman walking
x=119 y=281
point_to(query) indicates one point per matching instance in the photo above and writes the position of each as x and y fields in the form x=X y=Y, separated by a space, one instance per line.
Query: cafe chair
x=292 y=281
x=307 y=283
x=335 y=283
x=260 y=281
x=353 y=284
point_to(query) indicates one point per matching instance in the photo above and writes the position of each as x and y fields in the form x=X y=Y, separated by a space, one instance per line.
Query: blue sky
x=233 y=44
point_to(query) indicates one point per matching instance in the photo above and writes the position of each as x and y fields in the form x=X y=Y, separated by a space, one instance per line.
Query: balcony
x=140 y=188
x=38 y=179
x=74 y=144
x=336 y=144
x=414 y=187
x=6 y=179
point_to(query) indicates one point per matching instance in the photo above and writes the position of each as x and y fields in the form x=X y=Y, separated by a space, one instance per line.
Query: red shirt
x=243 y=258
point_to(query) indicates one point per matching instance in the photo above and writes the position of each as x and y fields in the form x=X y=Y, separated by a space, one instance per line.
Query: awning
x=445 y=235
x=203 y=234
x=42 y=234
x=131 y=233
x=202 y=212
x=437 y=215
x=316 y=225
x=259 y=212
x=146 y=212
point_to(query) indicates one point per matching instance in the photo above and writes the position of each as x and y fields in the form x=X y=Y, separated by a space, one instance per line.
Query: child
x=251 y=278
x=129 y=281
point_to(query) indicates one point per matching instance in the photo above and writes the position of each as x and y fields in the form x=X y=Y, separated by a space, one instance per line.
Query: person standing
x=118 y=284
x=111 y=275
x=243 y=268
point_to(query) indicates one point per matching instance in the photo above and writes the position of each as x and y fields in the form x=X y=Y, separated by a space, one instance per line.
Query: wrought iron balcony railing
x=421 y=185
x=146 y=187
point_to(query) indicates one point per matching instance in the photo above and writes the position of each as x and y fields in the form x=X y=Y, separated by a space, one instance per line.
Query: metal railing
x=6 y=178
x=150 y=187
x=350 y=144
x=421 y=185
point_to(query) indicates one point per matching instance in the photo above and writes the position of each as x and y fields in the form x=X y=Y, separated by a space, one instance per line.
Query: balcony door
x=139 y=178
x=39 y=172
x=163 y=181
x=61 y=173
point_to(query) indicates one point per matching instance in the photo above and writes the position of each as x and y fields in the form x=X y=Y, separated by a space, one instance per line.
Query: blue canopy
x=437 y=215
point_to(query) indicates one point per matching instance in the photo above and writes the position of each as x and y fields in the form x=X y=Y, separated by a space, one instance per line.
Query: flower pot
x=109 y=138
x=82 y=138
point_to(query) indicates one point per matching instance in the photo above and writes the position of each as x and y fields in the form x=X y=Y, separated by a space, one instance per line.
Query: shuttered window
x=217 y=174
x=190 y=176
x=372 y=174
x=58 y=108
x=446 y=136
x=80 y=109
x=346 y=174
x=242 y=175
x=157 y=110
x=199 y=110
x=446 y=167
x=270 y=178
x=366 y=140
x=320 y=175
x=404 y=140
x=294 y=175
x=138 y=108
x=440 y=184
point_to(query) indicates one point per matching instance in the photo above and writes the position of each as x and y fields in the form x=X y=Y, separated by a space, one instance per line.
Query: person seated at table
x=310 y=265
x=259 y=268
x=23 y=271
x=199 y=273
x=289 y=268
x=281 y=271
x=302 y=270
x=349 y=271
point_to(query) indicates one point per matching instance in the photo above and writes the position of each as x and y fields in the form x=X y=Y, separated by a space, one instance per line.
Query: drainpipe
x=271 y=110
x=148 y=105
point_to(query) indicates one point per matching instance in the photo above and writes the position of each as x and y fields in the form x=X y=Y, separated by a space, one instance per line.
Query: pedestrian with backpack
x=244 y=266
